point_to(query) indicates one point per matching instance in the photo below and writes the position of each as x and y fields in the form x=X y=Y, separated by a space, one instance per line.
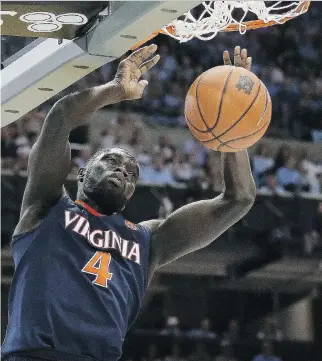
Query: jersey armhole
x=147 y=232
x=25 y=234
x=35 y=229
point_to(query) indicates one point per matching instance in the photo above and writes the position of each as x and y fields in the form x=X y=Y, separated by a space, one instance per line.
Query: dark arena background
x=259 y=286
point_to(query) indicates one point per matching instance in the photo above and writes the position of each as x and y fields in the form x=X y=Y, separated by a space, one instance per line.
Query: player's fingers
x=244 y=57
x=137 y=55
x=142 y=85
x=237 y=57
x=249 y=63
x=149 y=64
x=141 y=55
x=226 y=58
x=148 y=53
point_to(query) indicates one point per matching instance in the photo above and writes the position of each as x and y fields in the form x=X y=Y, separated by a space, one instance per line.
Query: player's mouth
x=116 y=179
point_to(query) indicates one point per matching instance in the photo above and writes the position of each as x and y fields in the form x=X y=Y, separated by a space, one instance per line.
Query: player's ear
x=81 y=173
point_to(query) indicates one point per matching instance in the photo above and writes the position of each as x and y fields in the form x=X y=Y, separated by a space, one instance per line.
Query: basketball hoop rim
x=257 y=24
x=247 y=25
x=254 y=24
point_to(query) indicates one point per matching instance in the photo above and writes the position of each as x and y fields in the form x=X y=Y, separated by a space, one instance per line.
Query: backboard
x=48 y=66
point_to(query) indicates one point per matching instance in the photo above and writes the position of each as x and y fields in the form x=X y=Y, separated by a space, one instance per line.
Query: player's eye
x=112 y=161
x=133 y=174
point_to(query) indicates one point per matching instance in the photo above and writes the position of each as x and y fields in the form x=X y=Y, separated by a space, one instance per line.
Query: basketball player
x=81 y=270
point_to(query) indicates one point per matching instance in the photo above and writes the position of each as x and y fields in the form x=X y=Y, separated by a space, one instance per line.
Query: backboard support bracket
x=45 y=68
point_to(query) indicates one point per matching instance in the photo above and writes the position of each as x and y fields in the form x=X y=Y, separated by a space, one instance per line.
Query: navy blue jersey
x=78 y=285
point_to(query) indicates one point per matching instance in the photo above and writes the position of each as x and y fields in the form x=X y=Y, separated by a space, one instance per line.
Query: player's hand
x=131 y=70
x=240 y=58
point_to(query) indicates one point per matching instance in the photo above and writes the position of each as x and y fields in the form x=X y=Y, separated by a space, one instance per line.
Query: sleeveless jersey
x=78 y=285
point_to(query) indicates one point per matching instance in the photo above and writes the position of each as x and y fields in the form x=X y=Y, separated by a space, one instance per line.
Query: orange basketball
x=228 y=108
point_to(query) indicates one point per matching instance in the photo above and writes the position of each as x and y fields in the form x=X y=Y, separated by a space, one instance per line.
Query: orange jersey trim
x=89 y=208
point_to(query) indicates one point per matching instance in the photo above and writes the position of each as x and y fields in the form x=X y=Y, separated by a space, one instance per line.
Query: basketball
x=228 y=108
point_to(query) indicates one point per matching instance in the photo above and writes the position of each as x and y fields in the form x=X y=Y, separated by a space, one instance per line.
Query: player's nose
x=122 y=170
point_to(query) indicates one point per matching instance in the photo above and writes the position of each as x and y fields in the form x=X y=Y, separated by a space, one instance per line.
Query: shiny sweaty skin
x=108 y=181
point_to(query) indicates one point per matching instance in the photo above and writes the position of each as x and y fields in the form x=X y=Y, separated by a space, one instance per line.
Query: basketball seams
x=248 y=135
x=217 y=137
x=207 y=126
x=221 y=99
x=265 y=107
x=192 y=125
x=196 y=100
x=245 y=112
x=234 y=150
x=223 y=92
x=244 y=137
x=220 y=145
x=240 y=119
x=215 y=142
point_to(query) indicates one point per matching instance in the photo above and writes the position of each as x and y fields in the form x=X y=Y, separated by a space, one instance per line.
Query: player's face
x=110 y=180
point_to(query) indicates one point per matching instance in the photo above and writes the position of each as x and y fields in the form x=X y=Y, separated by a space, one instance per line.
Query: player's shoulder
x=151 y=224
x=36 y=213
x=131 y=225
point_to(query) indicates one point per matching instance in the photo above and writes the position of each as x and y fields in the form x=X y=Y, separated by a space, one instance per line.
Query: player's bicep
x=154 y=252
x=49 y=163
x=46 y=175
x=195 y=226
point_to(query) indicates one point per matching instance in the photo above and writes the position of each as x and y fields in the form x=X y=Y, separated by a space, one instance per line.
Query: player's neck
x=88 y=208
x=92 y=206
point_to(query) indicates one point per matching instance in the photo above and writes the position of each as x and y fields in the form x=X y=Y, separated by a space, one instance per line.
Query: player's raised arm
x=49 y=161
x=196 y=225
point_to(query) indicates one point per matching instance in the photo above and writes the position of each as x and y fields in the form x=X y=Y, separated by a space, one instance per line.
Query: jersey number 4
x=99 y=265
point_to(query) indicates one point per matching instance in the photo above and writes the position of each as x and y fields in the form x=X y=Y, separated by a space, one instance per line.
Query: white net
x=216 y=16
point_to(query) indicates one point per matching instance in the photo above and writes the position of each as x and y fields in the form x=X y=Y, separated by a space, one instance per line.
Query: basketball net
x=219 y=16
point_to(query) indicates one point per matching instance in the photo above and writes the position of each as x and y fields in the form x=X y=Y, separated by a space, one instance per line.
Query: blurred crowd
x=267 y=330
x=201 y=353
x=286 y=58
x=189 y=164
x=164 y=163
x=203 y=337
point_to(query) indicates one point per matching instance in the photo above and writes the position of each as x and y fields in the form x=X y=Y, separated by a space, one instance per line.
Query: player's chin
x=113 y=186
x=112 y=198
x=122 y=191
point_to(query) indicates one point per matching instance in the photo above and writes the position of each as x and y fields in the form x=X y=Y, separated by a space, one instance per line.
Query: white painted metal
x=49 y=67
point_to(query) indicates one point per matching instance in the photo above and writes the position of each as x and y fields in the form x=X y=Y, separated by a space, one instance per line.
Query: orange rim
x=256 y=24
x=153 y=35
x=248 y=25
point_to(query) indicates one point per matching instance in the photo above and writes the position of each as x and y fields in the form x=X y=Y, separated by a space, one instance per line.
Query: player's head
x=109 y=179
